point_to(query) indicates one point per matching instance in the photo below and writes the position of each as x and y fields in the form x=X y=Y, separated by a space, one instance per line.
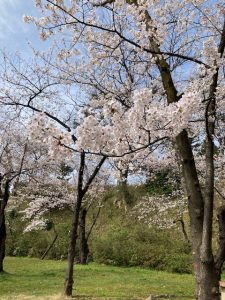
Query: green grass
x=29 y=278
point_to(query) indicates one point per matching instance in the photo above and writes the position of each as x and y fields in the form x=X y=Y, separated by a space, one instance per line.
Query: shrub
x=141 y=246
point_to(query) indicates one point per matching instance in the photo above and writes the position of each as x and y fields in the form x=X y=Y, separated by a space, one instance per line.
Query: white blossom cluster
x=160 y=211
x=45 y=131
x=103 y=38
x=115 y=130
x=118 y=52
x=36 y=224
x=42 y=200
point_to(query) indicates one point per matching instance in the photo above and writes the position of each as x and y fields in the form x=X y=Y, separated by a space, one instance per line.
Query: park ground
x=30 y=278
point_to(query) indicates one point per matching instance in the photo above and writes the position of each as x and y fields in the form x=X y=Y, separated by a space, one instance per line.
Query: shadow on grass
x=5 y=273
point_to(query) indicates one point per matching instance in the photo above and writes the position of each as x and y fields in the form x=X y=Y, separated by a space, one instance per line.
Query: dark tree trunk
x=2 y=243
x=81 y=191
x=3 y=203
x=207 y=282
x=72 y=248
x=74 y=230
x=209 y=272
x=220 y=256
x=200 y=208
x=193 y=189
x=84 y=250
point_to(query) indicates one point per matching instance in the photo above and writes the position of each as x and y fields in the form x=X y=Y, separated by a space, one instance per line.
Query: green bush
x=141 y=246
x=60 y=248
x=117 y=239
x=179 y=263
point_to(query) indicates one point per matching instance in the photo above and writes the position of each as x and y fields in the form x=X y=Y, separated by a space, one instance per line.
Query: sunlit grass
x=29 y=278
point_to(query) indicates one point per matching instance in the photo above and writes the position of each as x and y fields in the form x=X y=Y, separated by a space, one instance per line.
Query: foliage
x=117 y=239
x=34 y=243
x=135 y=245
x=162 y=184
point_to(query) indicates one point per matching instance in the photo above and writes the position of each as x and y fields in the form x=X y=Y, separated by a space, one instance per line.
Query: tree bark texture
x=2 y=243
x=81 y=191
x=3 y=203
x=74 y=229
x=220 y=255
x=200 y=205
x=84 y=250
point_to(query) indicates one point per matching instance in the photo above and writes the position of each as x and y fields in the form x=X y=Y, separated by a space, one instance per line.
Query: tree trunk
x=4 y=197
x=220 y=256
x=199 y=211
x=208 y=286
x=193 y=189
x=207 y=283
x=81 y=191
x=2 y=242
x=72 y=248
x=84 y=250
x=73 y=236
x=211 y=271
x=200 y=208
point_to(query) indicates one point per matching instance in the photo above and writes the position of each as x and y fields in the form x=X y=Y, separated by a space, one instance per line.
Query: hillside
x=118 y=237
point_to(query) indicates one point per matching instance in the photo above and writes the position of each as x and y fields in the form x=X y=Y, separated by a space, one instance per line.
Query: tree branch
x=148 y=50
x=95 y=172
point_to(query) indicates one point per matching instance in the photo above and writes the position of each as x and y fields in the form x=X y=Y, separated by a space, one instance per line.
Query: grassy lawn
x=29 y=278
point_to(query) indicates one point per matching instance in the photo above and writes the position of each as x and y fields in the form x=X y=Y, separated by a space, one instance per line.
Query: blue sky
x=14 y=33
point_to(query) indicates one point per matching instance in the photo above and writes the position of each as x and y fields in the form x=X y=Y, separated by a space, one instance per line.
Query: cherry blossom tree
x=17 y=163
x=43 y=196
x=13 y=151
x=47 y=105
x=171 y=210
x=167 y=58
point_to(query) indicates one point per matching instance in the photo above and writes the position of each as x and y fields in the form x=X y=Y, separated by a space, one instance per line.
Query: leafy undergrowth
x=118 y=238
x=30 y=278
